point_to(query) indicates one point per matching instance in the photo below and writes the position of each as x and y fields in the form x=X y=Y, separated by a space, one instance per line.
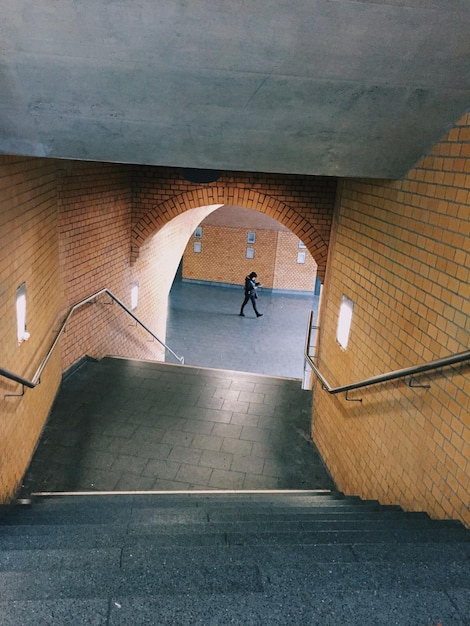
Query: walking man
x=250 y=293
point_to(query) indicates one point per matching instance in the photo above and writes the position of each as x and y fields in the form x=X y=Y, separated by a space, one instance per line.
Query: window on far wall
x=300 y=257
x=198 y=232
x=250 y=253
x=197 y=247
x=301 y=244
x=251 y=237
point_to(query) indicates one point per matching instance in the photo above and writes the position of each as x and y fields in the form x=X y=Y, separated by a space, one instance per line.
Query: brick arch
x=234 y=196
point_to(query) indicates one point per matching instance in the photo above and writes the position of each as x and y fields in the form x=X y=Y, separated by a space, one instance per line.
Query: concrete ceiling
x=321 y=87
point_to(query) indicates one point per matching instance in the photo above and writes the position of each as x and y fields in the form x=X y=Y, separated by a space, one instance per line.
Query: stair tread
x=234 y=577
x=354 y=608
x=281 y=556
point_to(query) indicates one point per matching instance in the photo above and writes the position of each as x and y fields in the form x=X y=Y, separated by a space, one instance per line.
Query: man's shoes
x=241 y=314
x=259 y=315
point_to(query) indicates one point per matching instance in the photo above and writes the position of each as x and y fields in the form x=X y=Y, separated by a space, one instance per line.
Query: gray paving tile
x=219 y=460
x=198 y=413
x=93 y=479
x=227 y=430
x=224 y=479
x=264 y=450
x=128 y=463
x=148 y=434
x=167 y=422
x=185 y=455
x=178 y=437
x=207 y=442
x=153 y=450
x=226 y=394
x=194 y=474
x=244 y=418
x=254 y=481
x=271 y=389
x=262 y=409
x=134 y=482
x=249 y=464
x=246 y=396
x=210 y=403
x=170 y=485
x=166 y=470
x=98 y=460
x=234 y=406
x=243 y=385
x=237 y=446
x=252 y=433
x=199 y=427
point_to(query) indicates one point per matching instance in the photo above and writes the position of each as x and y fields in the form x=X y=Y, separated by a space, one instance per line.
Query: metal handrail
x=37 y=376
x=382 y=378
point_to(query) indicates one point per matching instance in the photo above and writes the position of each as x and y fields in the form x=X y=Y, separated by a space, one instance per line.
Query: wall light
x=22 y=333
x=134 y=295
x=344 y=322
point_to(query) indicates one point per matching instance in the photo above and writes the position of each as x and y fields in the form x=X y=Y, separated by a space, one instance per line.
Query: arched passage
x=213 y=196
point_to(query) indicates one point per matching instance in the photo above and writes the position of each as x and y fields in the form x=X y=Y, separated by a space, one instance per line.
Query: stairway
x=219 y=558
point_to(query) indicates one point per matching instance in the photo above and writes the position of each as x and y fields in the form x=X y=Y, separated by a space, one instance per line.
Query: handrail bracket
x=413 y=385
x=15 y=395
x=351 y=399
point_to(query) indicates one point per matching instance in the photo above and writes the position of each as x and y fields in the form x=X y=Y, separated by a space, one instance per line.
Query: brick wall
x=288 y=274
x=303 y=204
x=401 y=251
x=28 y=254
x=94 y=232
x=223 y=258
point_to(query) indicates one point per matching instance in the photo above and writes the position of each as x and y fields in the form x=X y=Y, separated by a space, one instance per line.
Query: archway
x=213 y=196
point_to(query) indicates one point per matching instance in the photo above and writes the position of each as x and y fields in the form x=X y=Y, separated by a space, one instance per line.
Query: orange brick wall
x=94 y=229
x=223 y=259
x=28 y=254
x=401 y=251
x=303 y=204
x=288 y=274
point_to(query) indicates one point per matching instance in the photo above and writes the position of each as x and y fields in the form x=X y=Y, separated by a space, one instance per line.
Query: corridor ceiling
x=321 y=87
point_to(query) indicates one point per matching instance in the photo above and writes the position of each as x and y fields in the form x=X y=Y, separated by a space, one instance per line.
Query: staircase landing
x=123 y=425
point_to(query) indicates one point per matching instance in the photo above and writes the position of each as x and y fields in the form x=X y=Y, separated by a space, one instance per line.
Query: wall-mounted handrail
x=382 y=378
x=37 y=376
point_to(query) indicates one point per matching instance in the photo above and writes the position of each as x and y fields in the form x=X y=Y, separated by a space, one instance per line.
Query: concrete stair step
x=207 y=559
x=222 y=576
x=354 y=608
x=116 y=504
x=173 y=515
x=147 y=555
x=93 y=536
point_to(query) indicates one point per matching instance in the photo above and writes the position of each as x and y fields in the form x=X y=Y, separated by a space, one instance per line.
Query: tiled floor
x=205 y=327
x=129 y=425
